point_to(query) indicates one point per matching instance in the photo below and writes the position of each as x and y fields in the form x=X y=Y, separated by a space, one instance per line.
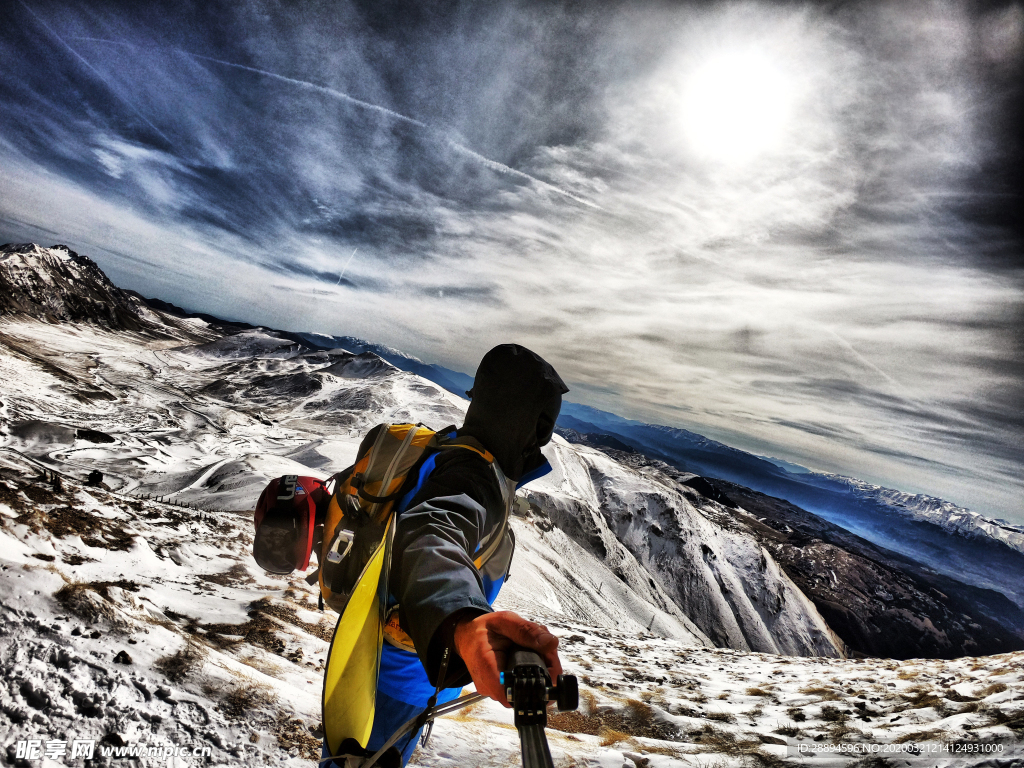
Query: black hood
x=515 y=400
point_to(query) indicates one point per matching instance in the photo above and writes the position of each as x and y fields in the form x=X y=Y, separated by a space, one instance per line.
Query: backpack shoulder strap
x=492 y=543
x=467 y=442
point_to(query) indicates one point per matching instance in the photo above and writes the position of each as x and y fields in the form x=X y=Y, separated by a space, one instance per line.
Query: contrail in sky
x=871 y=366
x=96 y=72
x=342 y=273
x=340 y=95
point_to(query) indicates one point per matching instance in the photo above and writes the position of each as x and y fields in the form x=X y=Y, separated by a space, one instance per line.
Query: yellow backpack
x=355 y=562
x=364 y=502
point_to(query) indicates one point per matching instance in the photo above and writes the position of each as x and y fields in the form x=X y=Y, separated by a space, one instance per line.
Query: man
x=444 y=599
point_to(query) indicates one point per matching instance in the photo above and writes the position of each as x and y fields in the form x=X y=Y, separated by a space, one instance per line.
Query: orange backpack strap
x=470 y=443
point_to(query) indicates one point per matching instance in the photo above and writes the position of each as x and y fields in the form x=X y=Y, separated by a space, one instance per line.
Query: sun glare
x=736 y=106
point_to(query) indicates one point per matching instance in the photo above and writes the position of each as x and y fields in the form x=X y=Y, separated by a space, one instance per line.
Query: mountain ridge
x=243 y=341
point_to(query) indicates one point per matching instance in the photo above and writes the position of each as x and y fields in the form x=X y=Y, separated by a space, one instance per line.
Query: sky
x=796 y=228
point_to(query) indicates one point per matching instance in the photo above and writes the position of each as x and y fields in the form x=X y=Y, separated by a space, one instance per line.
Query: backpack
x=358 y=521
x=286 y=520
x=355 y=563
x=385 y=478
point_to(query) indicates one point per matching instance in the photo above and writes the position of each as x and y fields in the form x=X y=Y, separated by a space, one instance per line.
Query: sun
x=737 y=106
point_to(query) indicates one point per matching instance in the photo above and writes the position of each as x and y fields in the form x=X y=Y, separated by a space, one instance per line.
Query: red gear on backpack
x=286 y=520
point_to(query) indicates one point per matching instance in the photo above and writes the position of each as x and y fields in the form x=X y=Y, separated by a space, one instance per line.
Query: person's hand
x=483 y=643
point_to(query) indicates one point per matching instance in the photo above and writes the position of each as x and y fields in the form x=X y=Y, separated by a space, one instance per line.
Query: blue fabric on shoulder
x=425 y=469
x=536 y=474
x=401 y=673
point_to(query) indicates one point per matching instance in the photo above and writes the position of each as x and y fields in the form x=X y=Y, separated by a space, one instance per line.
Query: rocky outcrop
x=721 y=579
x=56 y=284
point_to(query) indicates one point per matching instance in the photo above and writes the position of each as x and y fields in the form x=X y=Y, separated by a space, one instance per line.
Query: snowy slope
x=130 y=622
x=210 y=424
x=652 y=535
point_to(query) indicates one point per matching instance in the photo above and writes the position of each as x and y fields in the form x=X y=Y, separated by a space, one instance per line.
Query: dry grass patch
x=261 y=628
x=990 y=690
x=264 y=606
x=921 y=696
x=233 y=576
x=920 y=736
x=10 y=497
x=720 y=717
x=639 y=709
x=823 y=693
x=749 y=750
x=91 y=602
x=610 y=736
x=240 y=702
x=638 y=719
x=41 y=494
x=724 y=742
x=952 y=695
x=184 y=662
x=94 y=531
x=589 y=699
x=261 y=665
x=758 y=692
x=832 y=714
x=1012 y=720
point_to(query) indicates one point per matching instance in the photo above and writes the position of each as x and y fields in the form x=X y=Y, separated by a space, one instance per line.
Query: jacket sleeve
x=432 y=568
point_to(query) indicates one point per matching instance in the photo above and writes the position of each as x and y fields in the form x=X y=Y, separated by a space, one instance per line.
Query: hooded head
x=514 y=402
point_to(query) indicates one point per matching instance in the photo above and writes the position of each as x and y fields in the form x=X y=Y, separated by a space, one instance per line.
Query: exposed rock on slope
x=879 y=602
x=57 y=284
x=723 y=580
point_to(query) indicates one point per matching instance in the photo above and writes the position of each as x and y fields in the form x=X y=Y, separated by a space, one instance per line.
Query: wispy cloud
x=848 y=294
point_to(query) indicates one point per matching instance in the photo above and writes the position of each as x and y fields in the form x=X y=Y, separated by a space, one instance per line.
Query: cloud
x=847 y=295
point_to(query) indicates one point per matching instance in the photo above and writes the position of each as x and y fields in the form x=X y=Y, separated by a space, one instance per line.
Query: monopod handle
x=528 y=689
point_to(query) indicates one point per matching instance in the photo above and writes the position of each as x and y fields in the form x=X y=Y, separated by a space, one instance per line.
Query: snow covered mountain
x=435 y=373
x=210 y=424
x=951 y=540
x=724 y=583
x=133 y=613
x=929 y=509
x=59 y=284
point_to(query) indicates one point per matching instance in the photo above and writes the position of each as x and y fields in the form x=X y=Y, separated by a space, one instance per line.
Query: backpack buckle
x=333 y=555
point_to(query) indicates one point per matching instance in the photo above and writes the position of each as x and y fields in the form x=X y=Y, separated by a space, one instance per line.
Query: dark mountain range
x=880 y=602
